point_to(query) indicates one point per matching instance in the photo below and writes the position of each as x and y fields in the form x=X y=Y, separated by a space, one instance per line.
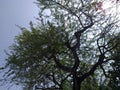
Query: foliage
x=30 y=57
x=114 y=82
x=68 y=50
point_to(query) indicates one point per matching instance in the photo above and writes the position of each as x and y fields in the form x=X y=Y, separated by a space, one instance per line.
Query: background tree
x=114 y=73
x=67 y=50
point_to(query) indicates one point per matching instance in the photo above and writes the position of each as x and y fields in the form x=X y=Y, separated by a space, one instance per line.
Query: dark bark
x=76 y=83
x=73 y=70
x=78 y=80
x=59 y=65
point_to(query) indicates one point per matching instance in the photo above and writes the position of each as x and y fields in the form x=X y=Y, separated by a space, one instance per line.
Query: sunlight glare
x=111 y=7
x=106 y=5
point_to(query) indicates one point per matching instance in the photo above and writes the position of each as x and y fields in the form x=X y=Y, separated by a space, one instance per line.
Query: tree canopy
x=72 y=48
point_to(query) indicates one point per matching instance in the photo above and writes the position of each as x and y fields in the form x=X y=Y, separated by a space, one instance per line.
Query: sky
x=12 y=13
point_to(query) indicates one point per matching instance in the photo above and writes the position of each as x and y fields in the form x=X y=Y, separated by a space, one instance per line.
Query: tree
x=68 y=49
x=114 y=73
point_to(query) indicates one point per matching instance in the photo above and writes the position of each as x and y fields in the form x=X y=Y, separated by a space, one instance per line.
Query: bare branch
x=70 y=11
x=78 y=34
x=104 y=72
x=92 y=70
x=99 y=47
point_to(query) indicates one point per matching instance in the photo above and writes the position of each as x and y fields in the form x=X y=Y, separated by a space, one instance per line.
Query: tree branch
x=92 y=70
x=70 y=11
x=59 y=65
x=104 y=72
x=77 y=45
x=62 y=82
x=99 y=47
x=54 y=80
x=77 y=61
x=78 y=34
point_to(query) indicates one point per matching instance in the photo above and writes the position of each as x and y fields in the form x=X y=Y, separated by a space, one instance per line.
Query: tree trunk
x=76 y=83
x=76 y=86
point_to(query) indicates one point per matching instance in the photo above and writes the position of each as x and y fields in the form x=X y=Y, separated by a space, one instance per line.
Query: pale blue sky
x=14 y=12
